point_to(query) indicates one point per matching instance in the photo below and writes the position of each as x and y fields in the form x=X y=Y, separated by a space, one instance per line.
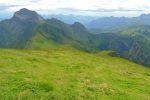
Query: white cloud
x=115 y=7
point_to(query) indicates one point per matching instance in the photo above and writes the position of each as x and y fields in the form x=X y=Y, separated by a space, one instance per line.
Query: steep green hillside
x=131 y=42
x=40 y=42
x=15 y=32
x=68 y=74
x=139 y=50
x=28 y=30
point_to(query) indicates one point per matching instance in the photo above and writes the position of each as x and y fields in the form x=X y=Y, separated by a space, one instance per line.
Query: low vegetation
x=69 y=74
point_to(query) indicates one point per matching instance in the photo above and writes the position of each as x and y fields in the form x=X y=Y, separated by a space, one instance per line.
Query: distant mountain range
x=70 y=19
x=97 y=24
x=28 y=30
x=109 y=24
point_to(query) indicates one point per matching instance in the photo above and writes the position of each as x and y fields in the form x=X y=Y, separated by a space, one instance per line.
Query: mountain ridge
x=27 y=29
x=109 y=24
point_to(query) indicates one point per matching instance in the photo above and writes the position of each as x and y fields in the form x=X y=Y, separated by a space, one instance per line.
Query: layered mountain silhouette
x=27 y=29
x=109 y=24
x=18 y=31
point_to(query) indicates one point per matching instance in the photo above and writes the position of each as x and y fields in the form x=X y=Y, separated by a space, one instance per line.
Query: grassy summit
x=69 y=74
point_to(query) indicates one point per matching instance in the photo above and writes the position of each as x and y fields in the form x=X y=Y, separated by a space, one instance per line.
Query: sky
x=119 y=8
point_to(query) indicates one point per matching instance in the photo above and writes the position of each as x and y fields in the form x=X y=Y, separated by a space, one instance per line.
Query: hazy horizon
x=101 y=8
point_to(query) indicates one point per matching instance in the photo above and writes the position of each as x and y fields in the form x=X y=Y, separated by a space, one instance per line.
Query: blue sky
x=78 y=7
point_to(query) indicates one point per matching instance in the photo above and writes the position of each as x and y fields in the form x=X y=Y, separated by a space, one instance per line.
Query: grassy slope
x=68 y=74
x=40 y=42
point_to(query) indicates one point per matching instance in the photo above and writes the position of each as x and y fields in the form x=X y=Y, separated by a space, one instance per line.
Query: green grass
x=68 y=74
x=40 y=42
